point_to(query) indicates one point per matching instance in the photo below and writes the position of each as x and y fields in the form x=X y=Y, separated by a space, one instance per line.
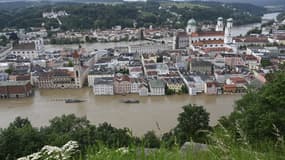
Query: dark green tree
x=9 y=70
x=113 y=137
x=260 y=114
x=69 y=127
x=193 y=124
x=184 y=89
x=265 y=62
x=169 y=91
x=19 y=139
x=70 y=63
x=168 y=139
x=150 y=140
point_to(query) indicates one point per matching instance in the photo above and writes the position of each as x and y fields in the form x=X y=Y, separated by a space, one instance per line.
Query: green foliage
x=281 y=27
x=222 y=148
x=193 y=124
x=20 y=138
x=68 y=127
x=281 y=16
x=142 y=153
x=269 y=23
x=159 y=59
x=70 y=63
x=169 y=91
x=259 y=114
x=9 y=71
x=282 y=66
x=89 y=16
x=184 y=89
x=123 y=71
x=265 y=63
x=151 y=140
x=254 y=31
x=90 y=39
x=3 y=41
x=113 y=137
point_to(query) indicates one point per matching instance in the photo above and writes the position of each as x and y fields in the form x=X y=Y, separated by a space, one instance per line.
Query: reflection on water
x=141 y=117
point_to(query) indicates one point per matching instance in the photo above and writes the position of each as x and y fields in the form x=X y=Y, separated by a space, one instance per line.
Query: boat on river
x=130 y=101
x=74 y=101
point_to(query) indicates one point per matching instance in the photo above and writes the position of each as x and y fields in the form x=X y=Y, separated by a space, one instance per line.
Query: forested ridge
x=158 y=14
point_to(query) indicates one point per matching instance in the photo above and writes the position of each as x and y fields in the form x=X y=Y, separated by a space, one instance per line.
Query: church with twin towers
x=196 y=39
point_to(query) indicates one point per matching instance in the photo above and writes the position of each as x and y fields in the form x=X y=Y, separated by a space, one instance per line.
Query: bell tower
x=228 y=32
x=191 y=26
x=220 y=25
x=77 y=69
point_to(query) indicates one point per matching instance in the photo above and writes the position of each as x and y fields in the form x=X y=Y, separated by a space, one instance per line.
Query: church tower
x=77 y=69
x=191 y=26
x=228 y=32
x=220 y=24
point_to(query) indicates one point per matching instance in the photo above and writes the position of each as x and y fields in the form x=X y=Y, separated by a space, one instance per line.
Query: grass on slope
x=222 y=147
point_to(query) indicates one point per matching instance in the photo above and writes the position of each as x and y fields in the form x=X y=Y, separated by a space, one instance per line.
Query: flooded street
x=141 y=117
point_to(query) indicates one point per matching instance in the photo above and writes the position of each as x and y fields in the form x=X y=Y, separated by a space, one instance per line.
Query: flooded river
x=141 y=117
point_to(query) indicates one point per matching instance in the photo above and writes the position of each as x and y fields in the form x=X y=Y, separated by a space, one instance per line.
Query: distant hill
x=256 y=2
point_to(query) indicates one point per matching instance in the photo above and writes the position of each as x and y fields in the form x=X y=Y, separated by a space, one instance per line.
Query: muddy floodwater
x=141 y=117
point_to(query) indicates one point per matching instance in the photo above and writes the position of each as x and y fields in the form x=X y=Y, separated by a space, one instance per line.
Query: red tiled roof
x=238 y=80
x=280 y=38
x=200 y=43
x=251 y=39
x=219 y=49
x=150 y=73
x=136 y=69
x=228 y=86
x=122 y=78
x=182 y=34
x=249 y=58
x=75 y=54
x=210 y=84
x=207 y=34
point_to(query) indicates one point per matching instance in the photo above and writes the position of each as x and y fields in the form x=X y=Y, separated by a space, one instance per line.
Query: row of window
x=207 y=39
x=23 y=52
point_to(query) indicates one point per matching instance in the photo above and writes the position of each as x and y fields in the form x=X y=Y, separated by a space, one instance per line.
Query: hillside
x=89 y=16
x=255 y=2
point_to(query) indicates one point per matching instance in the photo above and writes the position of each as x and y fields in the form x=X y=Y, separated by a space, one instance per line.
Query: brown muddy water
x=141 y=117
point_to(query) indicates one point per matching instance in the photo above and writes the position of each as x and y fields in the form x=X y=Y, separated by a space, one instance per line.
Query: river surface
x=141 y=117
